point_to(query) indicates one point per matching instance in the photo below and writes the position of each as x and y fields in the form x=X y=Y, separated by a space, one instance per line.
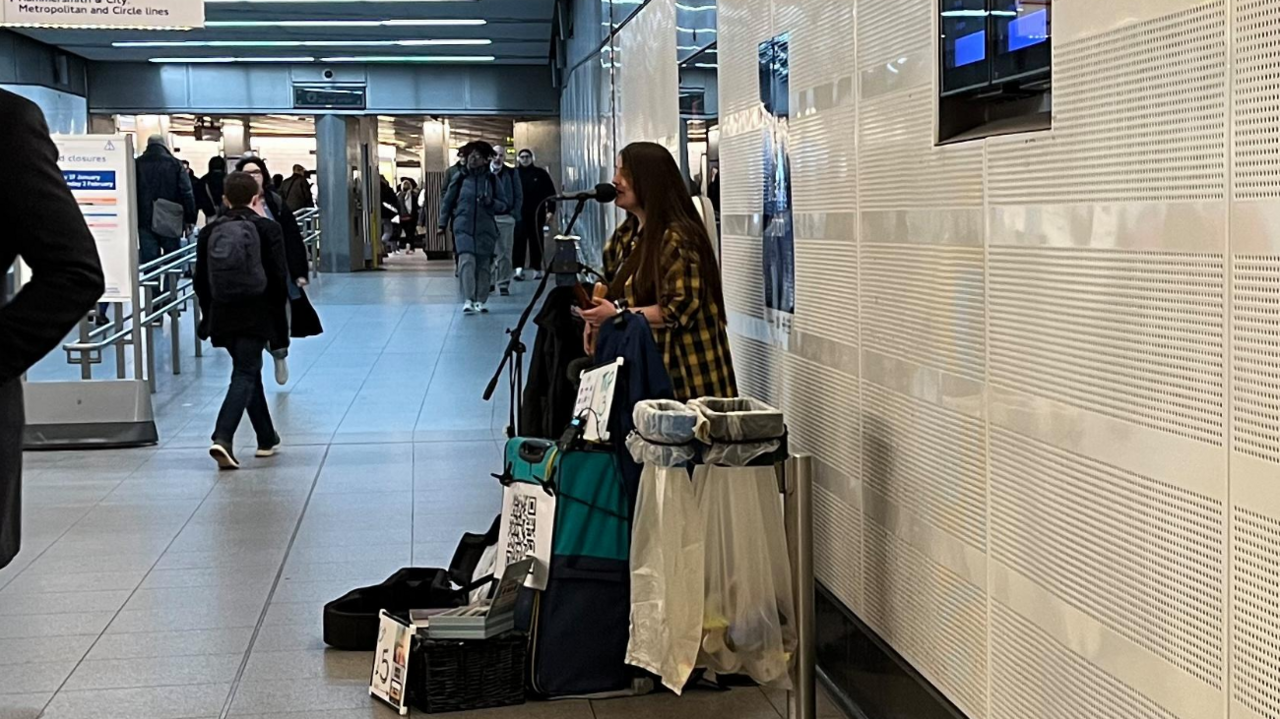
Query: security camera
x=328 y=74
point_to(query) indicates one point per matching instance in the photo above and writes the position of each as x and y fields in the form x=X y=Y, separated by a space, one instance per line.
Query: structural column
x=333 y=181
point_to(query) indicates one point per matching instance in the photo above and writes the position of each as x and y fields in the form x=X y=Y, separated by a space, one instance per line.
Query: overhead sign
x=132 y=14
x=99 y=171
x=328 y=97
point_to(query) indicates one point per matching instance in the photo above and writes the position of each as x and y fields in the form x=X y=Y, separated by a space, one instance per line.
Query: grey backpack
x=235 y=261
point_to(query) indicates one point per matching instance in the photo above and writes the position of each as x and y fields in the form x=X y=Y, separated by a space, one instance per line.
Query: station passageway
x=151 y=585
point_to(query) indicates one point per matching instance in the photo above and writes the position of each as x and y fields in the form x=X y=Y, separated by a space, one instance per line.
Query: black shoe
x=101 y=320
x=504 y=291
x=270 y=451
x=223 y=456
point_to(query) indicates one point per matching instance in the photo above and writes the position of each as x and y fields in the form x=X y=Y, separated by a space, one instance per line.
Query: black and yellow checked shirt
x=694 y=342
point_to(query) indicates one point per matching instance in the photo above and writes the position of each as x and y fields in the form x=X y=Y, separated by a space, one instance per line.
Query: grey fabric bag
x=168 y=219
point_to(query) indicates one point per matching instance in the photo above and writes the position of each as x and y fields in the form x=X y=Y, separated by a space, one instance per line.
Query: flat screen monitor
x=966 y=46
x=1023 y=39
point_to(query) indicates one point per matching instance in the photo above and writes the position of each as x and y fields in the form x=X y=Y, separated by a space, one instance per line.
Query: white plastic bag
x=667 y=563
x=749 y=617
x=667 y=547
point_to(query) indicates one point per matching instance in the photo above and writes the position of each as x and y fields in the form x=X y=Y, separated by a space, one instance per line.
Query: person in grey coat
x=509 y=182
x=473 y=202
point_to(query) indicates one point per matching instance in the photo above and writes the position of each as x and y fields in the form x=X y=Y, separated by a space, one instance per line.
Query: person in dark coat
x=303 y=320
x=538 y=186
x=44 y=226
x=245 y=328
x=210 y=195
x=296 y=190
x=473 y=202
x=160 y=176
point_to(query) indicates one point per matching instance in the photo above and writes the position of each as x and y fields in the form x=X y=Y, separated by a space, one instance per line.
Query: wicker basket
x=455 y=675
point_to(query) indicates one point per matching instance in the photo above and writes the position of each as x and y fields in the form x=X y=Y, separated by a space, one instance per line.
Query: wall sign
x=136 y=14
x=328 y=97
x=99 y=172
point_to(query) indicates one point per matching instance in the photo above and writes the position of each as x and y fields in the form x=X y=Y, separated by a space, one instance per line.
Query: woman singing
x=661 y=265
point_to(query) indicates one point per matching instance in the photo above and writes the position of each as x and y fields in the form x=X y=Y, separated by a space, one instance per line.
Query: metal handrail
x=165 y=290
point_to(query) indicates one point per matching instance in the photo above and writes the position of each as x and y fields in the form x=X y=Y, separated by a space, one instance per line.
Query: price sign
x=391 y=663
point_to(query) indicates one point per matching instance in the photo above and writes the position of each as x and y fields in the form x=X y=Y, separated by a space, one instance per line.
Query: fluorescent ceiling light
x=222 y=60
x=299 y=43
x=345 y=23
x=412 y=58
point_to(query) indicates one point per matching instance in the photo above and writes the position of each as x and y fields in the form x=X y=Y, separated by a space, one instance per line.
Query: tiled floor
x=152 y=587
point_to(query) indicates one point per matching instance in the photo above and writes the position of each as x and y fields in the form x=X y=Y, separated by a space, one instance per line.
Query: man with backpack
x=240 y=281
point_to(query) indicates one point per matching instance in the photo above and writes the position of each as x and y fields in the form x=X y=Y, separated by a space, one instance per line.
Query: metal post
x=195 y=323
x=803 y=699
x=86 y=369
x=175 y=335
x=149 y=307
x=117 y=314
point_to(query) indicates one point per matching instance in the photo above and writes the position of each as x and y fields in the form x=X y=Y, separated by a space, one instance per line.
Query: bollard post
x=175 y=329
x=802 y=702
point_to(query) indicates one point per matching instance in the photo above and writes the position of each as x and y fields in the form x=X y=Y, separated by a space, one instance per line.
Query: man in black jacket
x=209 y=198
x=161 y=177
x=538 y=186
x=45 y=227
x=245 y=327
x=296 y=190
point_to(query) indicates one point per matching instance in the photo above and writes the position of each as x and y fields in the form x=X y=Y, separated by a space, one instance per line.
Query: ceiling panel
x=519 y=32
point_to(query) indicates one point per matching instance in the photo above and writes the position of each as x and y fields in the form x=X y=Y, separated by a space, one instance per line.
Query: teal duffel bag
x=579 y=626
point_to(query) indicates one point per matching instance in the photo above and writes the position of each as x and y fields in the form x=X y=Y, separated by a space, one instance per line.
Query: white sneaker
x=538 y=276
x=470 y=308
x=519 y=276
x=223 y=456
x=282 y=371
x=269 y=451
x=482 y=307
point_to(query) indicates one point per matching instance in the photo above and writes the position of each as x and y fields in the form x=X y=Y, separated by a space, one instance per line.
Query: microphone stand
x=513 y=356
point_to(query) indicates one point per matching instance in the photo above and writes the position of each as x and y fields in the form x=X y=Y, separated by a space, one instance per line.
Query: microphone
x=604 y=192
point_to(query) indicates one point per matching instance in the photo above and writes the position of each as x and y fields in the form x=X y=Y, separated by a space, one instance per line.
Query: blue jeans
x=151 y=246
x=245 y=394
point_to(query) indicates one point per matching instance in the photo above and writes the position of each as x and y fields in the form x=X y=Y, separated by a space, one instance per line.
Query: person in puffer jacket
x=473 y=202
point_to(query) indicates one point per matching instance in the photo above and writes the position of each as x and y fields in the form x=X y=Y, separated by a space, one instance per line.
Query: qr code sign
x=522 y=529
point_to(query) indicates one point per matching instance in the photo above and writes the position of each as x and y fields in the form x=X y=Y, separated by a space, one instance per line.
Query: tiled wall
x=625 y=91
x=1040 y=373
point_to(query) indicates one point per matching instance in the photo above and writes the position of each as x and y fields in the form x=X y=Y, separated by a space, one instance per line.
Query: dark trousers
x=152 y=246
x=528 y=246
x=11 y=421
x=245 y=394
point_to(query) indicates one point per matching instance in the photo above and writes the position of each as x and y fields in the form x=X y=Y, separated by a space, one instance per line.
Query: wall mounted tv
x=992 y=46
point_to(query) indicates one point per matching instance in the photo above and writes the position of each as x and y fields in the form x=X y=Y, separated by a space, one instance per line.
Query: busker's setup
x=641 y=546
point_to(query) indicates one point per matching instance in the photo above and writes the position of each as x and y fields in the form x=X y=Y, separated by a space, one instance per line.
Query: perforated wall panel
x=924 y=303
x=1034 y=676
x=1142 y=557
x=647 y=86
x=1257 y=634
x=1139 y=115
x=931 y=615
x=1257 y=104
x=926 y=460
x=1133 y=335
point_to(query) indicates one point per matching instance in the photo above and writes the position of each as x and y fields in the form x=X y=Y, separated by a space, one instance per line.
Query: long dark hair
x=661 y=190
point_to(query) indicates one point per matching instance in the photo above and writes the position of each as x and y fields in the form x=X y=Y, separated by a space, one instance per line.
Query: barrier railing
x=166 y=290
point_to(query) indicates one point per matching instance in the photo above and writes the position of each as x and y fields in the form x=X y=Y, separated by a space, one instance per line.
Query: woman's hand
x=600 y=313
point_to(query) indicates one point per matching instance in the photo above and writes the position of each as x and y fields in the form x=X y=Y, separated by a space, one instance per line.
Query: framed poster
x=779 y=244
